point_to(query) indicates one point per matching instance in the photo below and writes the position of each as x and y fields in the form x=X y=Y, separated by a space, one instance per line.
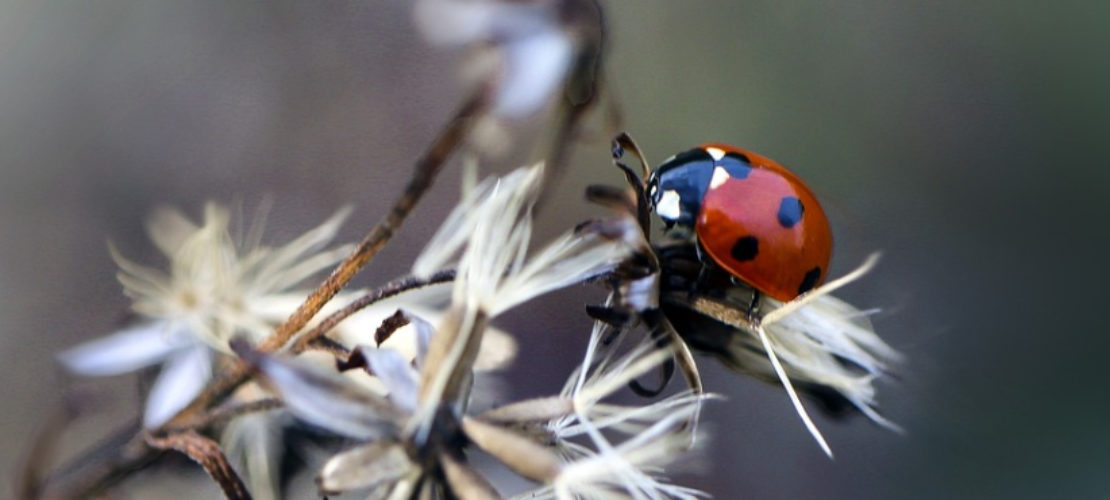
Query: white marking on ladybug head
x=716 y=153
x=720 y=175
x=670 y=205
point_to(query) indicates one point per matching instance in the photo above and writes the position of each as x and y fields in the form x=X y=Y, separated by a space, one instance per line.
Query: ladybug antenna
x=666 y=372
x=621 y=143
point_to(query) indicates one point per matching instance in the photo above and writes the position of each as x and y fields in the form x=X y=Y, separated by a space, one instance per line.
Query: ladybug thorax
x=678 y=186
x=676 y=190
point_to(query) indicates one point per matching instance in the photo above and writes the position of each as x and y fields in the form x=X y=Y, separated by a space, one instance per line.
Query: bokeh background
x=964 y=139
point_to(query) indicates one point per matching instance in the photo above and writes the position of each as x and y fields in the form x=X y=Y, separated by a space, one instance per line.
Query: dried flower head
x=416 y=434
x=490 y=232
x=215 y=288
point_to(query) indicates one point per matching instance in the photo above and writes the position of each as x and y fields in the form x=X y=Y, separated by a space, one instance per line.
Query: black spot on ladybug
x=745 y=249
x=790 y=211
x=739 y=156
x=810 y=280
x=736 y=164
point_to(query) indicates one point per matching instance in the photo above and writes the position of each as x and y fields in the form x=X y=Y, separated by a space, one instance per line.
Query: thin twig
x=325 y=344
x=388 y=290
x=207 y=454
x=225 y=413
x=580 y=92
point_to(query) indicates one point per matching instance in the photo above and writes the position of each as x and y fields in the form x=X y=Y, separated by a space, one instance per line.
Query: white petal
x=450 y=22
x=535 y=67
x=493 y=227
x=168 y=229
x=530 y=410
x=368 y=465
x=519 y=452
x=535 y=53
x=505 y=200
x=327 y=399
x=126 y=350
x=497 y=352
x=424 y=332
x=452 y=234
x=465 y=482
x=307 y=267
x=181 y=380
x=570 y=260
x=139 y=280
x=396 y=373
x=625 y=470
x=255 y=443
x=297 y=251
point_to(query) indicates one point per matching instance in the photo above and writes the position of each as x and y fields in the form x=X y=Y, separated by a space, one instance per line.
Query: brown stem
x=225 y=413
x=426 y=170
x=389 y=290
x=325 y=344
x=583 y=81
x=390 y=326
x=207 y=454
x=584 y=22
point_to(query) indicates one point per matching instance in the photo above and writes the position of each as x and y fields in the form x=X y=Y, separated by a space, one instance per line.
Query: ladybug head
x=676 y=188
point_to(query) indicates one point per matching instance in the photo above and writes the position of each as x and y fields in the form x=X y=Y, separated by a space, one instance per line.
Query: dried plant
x=385 y=378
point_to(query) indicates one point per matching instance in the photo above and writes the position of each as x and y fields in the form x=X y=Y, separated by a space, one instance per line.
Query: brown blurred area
x=964 y=140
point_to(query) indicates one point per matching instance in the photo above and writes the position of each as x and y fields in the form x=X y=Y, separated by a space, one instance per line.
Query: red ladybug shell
x=765 y=227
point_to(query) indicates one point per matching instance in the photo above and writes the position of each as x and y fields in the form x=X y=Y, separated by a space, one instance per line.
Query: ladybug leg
x=698 y=284
x=666 y=337
x=701 y=281
x=753 y=305
x=613 y=198
x=667 y=369
x=666 y=372
x=617 y=317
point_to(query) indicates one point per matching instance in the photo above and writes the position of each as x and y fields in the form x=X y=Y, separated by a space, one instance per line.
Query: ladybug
x=750 y=215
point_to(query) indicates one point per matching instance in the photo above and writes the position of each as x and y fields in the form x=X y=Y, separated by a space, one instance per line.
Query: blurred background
x=963 y=139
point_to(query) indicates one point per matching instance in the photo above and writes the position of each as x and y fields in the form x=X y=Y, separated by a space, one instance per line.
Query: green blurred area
x=966 y=140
